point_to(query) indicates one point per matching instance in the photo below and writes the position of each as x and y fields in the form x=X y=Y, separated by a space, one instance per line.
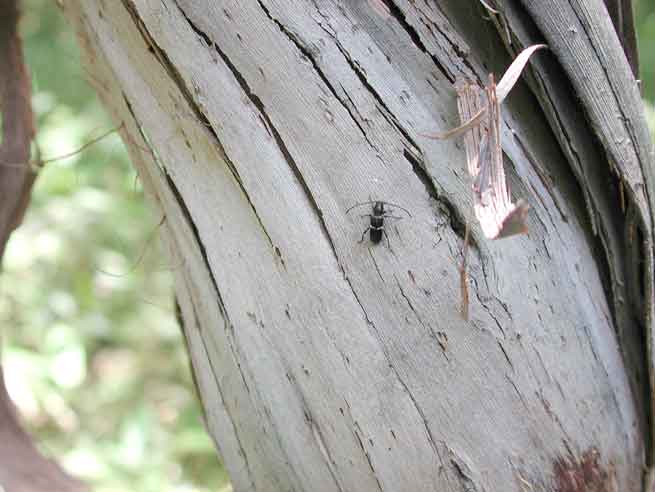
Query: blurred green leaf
x=94 y=358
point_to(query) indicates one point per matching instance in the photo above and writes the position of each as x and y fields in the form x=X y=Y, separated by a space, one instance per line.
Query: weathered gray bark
x=324 y=364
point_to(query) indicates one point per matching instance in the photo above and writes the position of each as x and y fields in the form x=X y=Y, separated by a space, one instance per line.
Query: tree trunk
x=325 y=364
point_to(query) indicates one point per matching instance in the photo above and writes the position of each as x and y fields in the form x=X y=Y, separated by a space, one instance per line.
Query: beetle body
x=376 y=220
x=376 y=227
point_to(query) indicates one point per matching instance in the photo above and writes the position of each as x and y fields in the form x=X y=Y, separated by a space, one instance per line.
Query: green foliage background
x=92 y=351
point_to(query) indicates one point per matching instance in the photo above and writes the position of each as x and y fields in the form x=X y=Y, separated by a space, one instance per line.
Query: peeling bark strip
x=622 y=15
x=599 y=62
x=498 y=216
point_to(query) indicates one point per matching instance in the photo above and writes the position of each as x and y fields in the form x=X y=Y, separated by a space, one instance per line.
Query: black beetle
x=378 y=215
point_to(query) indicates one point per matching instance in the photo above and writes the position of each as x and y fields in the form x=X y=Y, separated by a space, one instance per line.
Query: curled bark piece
x=511 y=76
x=507 y=82
x=497 y=215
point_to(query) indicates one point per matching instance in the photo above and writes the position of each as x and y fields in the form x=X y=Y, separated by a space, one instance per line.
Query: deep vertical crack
x=398 y=14
x=259 y=105
x=457 y=222
x=179 y=82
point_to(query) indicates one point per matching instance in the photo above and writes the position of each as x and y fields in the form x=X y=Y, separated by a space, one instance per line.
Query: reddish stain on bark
x=584 y=474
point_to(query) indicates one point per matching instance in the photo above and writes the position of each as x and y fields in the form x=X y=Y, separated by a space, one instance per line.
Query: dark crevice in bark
x=185 y=212
x=257 y=102
x=315 y=428
x=177 y=78
x=412 y=308
x=624 y=314
x=201 y=247
x=309 y=57
x=142 y=133
x=466 y=482
x=484 y=305
x=419 y=410
x=623 y=19
x=356 y=120
x=502 y=349
x=381 y=105
x=624 y=118
x=241 y=450
x=375 y=263
x=518 y=393
x=426 y=326
x=357 y=431
x=205 y=258
x=398 y=14
x=457 y=222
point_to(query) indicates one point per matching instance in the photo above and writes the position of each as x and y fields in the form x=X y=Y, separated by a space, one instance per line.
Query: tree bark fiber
x=325 y=364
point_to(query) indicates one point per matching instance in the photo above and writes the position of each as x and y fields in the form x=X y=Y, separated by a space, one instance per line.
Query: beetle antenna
x=361 y=204
x=397 y=206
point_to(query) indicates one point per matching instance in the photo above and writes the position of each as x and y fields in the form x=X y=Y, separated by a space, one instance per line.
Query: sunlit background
x=92 y=352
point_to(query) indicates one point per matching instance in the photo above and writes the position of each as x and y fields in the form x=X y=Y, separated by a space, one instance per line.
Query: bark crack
x=209 y=126
x=483 y=303
x=427 y=326
x=467 y=483
x=203 y=252
x=242 y=451
x=518 y=392
x=375 y=263
x=624 y=118
x=308 y=55
x=315 y=428
x=572 y=152
x=404 y=385
x=502 y=349
x=361 y=75
x=368 y=457
x=400 y=17
x=177 y=78
x=189 y=219
x=457 y=222
x=257 y=102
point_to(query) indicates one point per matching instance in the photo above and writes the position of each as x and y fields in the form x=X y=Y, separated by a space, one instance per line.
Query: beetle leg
x=387 y=236
x=364 y=234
